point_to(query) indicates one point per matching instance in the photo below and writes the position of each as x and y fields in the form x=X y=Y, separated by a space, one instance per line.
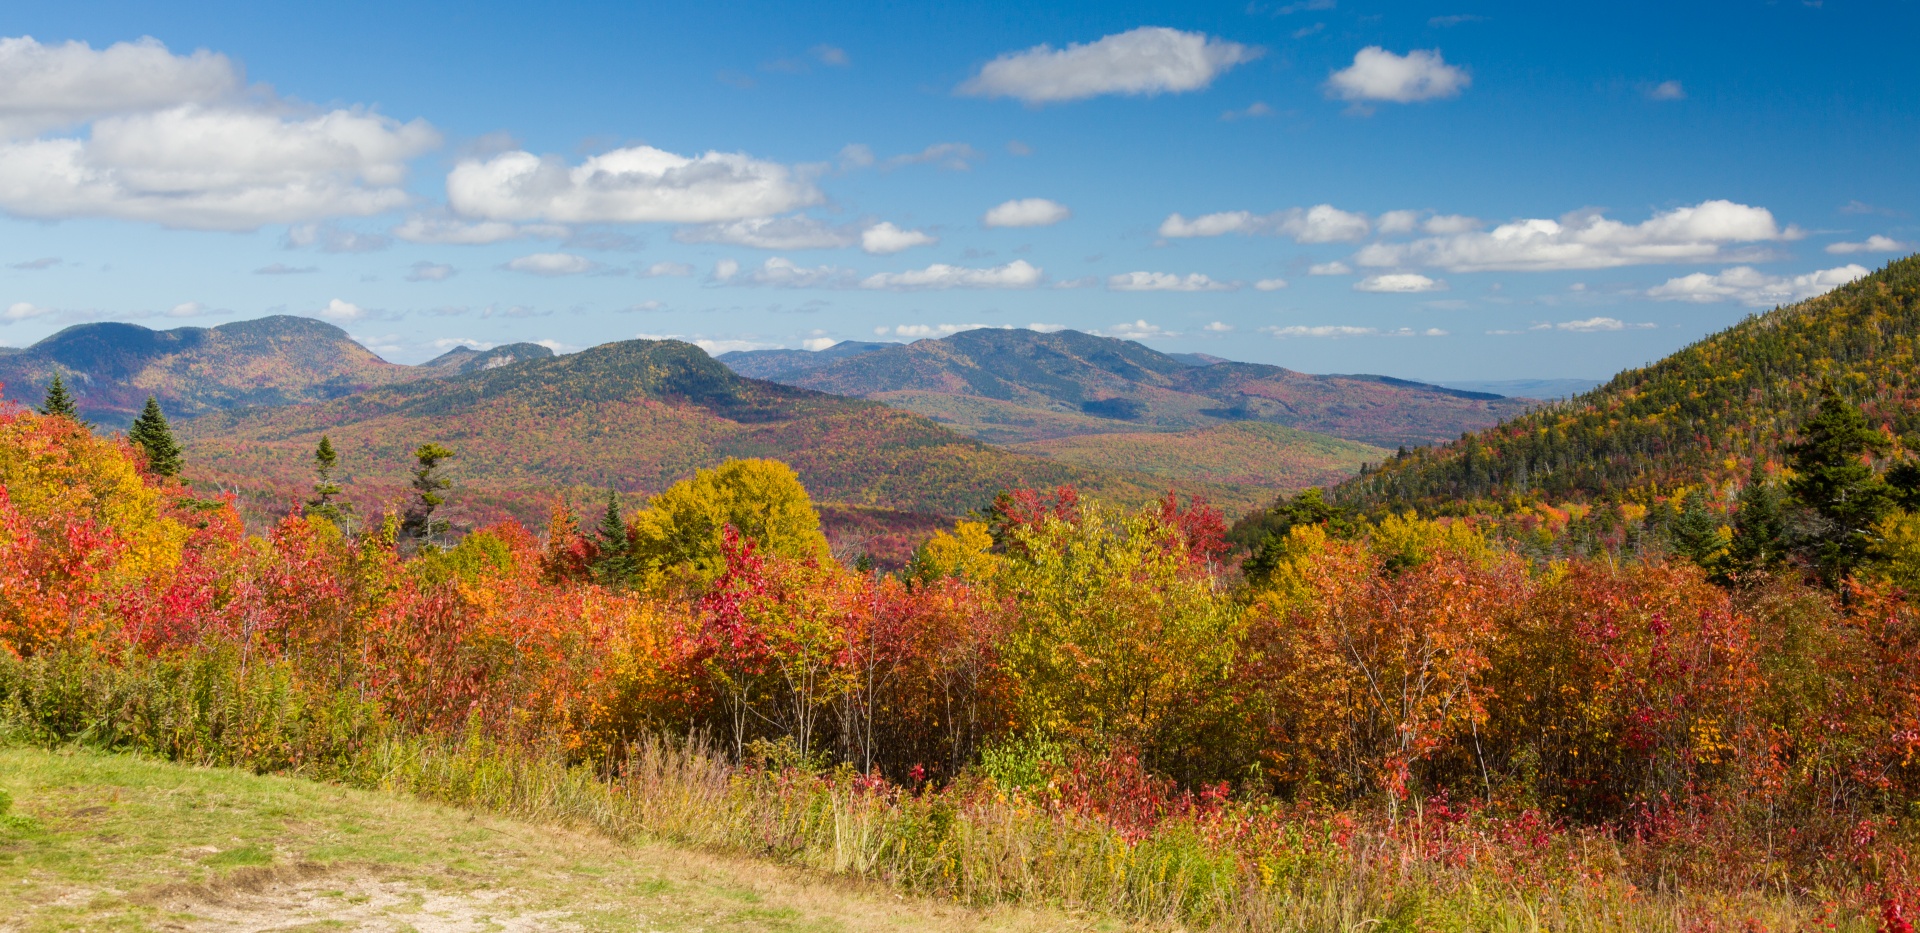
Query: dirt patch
x=309 y=897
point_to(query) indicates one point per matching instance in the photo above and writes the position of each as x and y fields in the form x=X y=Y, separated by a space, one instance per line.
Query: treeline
x=1702 y=416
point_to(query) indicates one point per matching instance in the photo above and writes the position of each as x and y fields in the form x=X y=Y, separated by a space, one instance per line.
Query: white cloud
x=44 y=87
x=21 y=311
x=781 y=233
x=1136 y=330
x=332 y=239
x=1270 y=285
x=1166 y=282
x=639 y=184
x=784 y=273
x=831 y=55
x=1335 y=267
x=424 y=271
x=1253 y=110
x=281 y=268
x=1026 y=212
x=553 y=264
x=1589 y=240
x=1754 y=288
x=884 y=238
x=1016 y=274
x=724 y=270
x=1594 y=325
x=1441 y=224
x=1399 y=283
x=665 y=269
x=817 y=344
x=856 y=155
x=1873 y=244
x=447 y=343
x=1347 y=330
x=1379 y=75
x=1322 y=223
x=1218 y=327
x=451 y=232
x=337 y=310
x=1398 y=221
x=1148 y=60
x=1666 y=90
x=954 y=157
x=715 y=347
x=936 y=331
x=554 y=345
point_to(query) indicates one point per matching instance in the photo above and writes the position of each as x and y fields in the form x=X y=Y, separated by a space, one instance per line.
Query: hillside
x=635 y=415
x=1247 y=453
x=778 y=365
x=1011 y=386
x=113 y=367
x=461 y=360
x=1704 y=413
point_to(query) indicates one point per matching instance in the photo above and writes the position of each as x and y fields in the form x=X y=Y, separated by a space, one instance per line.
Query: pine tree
x=1696 y=534
x=1759 y=528
x=1842 y=497
x=428 y=483
x=151 y=432
x=59 y=402
x=615 y=565
x=325 y=459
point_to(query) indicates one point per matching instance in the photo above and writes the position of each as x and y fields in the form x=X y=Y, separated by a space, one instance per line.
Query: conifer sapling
x=151 y=433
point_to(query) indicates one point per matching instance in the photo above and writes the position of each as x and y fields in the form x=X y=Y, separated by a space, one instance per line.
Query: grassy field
x=112 y=842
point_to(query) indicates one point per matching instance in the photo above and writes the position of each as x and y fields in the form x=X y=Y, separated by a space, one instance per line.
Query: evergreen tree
x=615 y=565
x=59 y=402
x=1696 y=534
x=1759 y=528
x=1842 y=497
x=325 y=459
x=151 y=432
x=428 y=483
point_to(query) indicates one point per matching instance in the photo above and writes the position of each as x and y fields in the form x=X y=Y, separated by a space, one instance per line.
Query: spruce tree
x=428 y=483
x=1695 y=533
x=59 y=402
x=325 y=459
x=151 y=432
x=1759 y=528
x=1842 y=497
x=616 y=562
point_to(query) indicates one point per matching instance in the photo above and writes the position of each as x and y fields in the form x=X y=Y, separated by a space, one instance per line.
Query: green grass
x=113 y=842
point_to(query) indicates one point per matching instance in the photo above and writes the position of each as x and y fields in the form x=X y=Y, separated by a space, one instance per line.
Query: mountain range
x=1016 y=386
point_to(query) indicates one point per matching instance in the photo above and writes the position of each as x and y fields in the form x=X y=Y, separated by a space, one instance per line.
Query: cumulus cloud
x=955 y=157
x=553 y=264
x=1167 y=282
x=1335 y=267
x=1754 y=288
x=1218 y=327
x=1594 y=325
x=1589 y=240
x=45 y=87
x=1016 y=274
x=448 y=231
x=781 y=233
x=1270 y=285
x=639 y=184
x=1148 y=60
x=1399 y=283
x=785 y=273
x=1136 y=330
x=816 y=344
x=1026 y=212
x=424 y=271
x=883 y=239
x=665 y=269
x=724 y=270
x=337 y=310
x=21 y=311
x=1872 y=244
x=1322 y=223
x=917 y=331
x=1379 y=75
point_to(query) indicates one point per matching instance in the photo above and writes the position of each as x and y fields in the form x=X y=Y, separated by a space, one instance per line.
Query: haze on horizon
x=1440 y=192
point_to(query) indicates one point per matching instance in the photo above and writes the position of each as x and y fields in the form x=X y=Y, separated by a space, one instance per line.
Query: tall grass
x=1243 y=868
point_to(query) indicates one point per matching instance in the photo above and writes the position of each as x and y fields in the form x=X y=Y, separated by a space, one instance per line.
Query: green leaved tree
x=428 y=483
x=1841 y=496
x=151 y=433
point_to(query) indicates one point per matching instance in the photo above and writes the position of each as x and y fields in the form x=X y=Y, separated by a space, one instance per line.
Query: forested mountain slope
x=1010 y=386
x=111 y=368
x=1702 y=415
x=635 y=415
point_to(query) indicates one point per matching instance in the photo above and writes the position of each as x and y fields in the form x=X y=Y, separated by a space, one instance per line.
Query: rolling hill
x=113 y=367
x=1013 y=386
x=1703 y=414
x=635 y=415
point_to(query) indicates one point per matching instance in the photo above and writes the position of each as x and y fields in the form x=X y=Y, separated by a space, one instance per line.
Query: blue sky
x=1436 y=191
